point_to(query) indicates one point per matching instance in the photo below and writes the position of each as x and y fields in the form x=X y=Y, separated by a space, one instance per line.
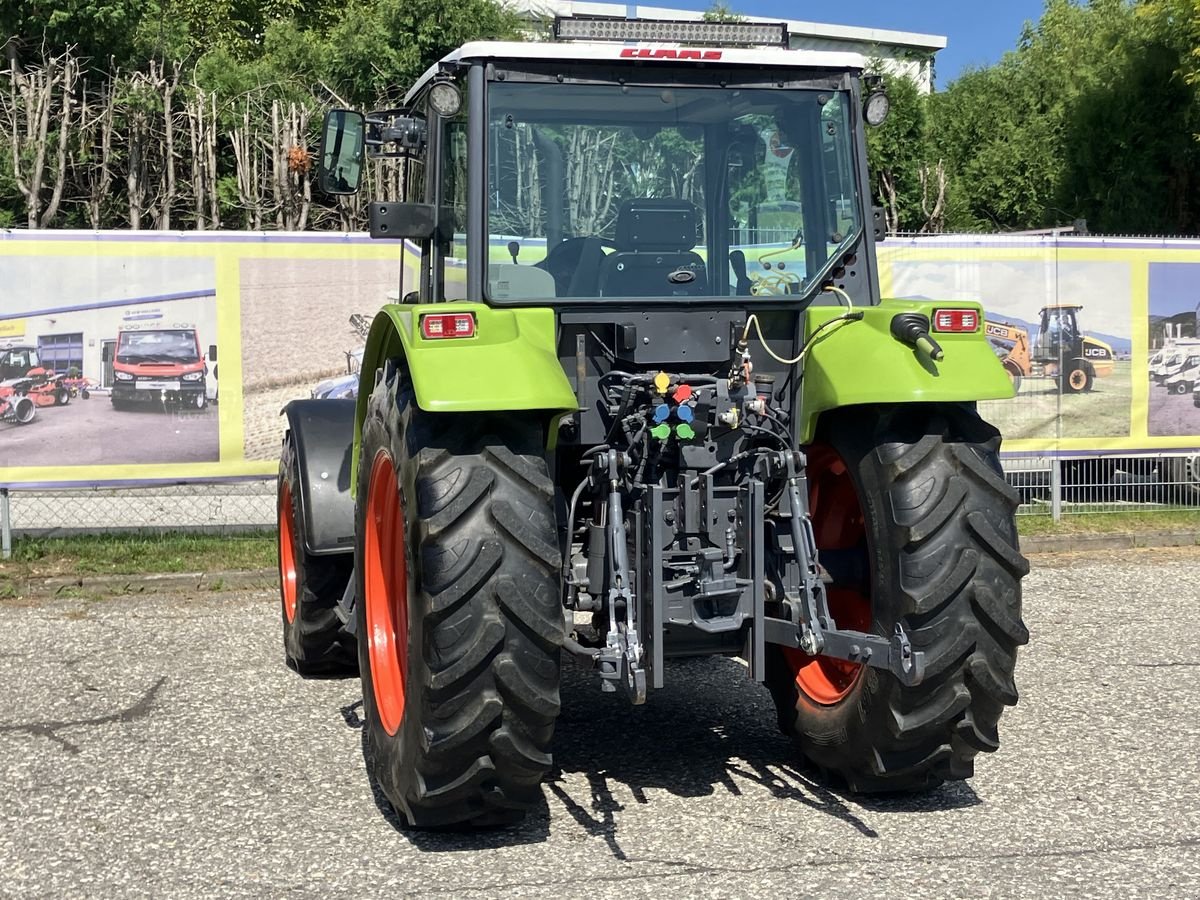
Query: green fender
x=855 y=363
x=510 y=363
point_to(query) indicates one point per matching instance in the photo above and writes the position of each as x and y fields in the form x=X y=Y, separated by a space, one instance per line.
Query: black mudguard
x=322 y=431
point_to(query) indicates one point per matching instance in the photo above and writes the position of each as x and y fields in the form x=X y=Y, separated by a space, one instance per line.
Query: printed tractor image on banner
x=1062 y=324
x=108 y=361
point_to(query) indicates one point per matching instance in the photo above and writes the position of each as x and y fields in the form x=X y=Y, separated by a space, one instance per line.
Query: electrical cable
x=851 y=315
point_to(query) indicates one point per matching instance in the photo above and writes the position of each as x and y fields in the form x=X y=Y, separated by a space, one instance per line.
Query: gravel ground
x=156 y=746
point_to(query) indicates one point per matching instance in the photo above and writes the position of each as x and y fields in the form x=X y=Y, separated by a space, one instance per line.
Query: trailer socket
x=913 y=329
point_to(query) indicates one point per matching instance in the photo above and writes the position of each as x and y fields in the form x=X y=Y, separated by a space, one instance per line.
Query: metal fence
x=1091 y=485
x=1048 y=486
x=233 y=509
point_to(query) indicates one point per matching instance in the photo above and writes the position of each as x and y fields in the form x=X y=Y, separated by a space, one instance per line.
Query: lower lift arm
x=810 y=627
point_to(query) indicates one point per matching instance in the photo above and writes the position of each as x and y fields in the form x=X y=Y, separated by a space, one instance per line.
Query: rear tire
x=937 y=517
x=62 y=397
x=315 y=640
x=458 y=606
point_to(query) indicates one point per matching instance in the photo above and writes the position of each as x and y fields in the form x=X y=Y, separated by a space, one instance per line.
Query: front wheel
x=316 y=642
x=1078 y=380
x=918 y=491
x=458 y=609
x=62 y=396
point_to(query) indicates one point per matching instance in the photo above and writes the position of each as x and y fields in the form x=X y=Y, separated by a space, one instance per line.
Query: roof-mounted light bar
x=717 y=34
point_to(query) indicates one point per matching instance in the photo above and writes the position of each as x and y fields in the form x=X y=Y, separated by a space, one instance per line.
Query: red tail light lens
x=956 y=320
x=436 y=326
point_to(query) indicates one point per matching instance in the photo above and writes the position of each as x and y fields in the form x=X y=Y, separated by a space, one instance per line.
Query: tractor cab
x=19 y=362
x=1058 y=332
x=599 y=173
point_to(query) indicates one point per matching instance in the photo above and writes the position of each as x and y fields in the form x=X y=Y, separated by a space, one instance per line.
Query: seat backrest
x=654 y=257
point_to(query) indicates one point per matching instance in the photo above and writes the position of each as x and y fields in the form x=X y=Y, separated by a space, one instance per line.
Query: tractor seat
x=653 y=256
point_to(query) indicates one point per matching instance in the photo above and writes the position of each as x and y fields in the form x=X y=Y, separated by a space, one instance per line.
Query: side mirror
x=212 y=352
x=342 y=151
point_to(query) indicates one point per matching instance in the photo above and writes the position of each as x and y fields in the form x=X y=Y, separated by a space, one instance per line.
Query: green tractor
x=646 y=402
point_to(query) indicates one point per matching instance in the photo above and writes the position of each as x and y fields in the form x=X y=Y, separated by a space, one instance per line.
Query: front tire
x=1079 y=380
x=920 y=491
x=315 y=640
x=458 y=609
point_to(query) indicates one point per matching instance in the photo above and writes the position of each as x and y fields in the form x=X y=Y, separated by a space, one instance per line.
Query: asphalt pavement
x=155 y=745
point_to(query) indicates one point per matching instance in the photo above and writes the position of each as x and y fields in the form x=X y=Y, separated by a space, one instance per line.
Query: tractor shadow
x=709 y=731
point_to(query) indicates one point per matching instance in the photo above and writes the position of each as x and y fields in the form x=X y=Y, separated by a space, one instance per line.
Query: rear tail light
x=956 y=320
x=435 y=326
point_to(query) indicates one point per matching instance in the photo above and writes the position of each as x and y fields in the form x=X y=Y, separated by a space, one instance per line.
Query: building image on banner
x=1174 y=349
x=114 y=377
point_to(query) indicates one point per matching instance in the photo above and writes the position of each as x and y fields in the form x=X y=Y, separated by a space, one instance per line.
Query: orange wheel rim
x=287 y=551
x=385 y=584
x=838 y=524
x=1078 y=378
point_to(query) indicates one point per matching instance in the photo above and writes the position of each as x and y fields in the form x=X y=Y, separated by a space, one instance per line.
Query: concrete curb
x=1095 y=543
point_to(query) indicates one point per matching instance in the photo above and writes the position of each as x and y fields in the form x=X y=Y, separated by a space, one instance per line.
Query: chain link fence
x=1048 y=486
x=242 y=508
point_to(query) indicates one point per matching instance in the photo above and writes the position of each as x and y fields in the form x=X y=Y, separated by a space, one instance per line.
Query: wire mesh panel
x=237 y=508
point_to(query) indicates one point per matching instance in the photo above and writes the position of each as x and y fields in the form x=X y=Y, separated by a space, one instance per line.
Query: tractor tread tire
x=940 y=517
x=485 y=618
x=316 y=643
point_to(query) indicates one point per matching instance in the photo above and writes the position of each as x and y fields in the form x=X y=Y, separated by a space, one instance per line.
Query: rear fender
x=858 y=363
x=509 y=365
x=322 y=433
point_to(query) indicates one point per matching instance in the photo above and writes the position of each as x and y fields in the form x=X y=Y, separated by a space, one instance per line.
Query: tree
x=896 y=156
x=1093 y=115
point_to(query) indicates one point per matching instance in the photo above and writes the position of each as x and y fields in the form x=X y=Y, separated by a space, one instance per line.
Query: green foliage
x=721 y=12
x=1091 y=116
x=378 y=48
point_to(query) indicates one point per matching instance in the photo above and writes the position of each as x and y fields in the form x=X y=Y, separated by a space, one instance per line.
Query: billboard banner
x=143 y=357
x=1095 y=333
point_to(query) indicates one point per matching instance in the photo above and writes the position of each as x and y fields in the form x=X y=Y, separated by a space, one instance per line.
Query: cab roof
x=647 y=54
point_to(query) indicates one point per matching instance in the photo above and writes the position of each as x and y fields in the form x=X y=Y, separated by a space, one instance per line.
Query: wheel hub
x=838 y=524
x=287 y=551
x=385 y=583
